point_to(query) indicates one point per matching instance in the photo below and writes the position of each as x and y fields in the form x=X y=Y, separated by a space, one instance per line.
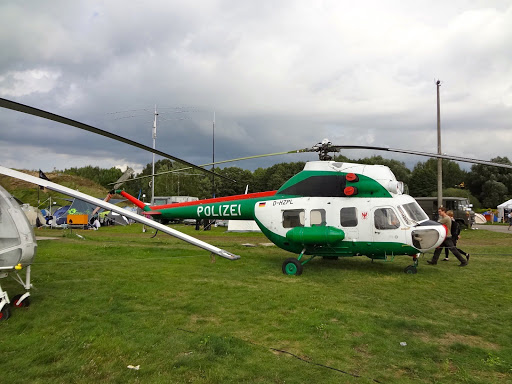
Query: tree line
x=485 y=186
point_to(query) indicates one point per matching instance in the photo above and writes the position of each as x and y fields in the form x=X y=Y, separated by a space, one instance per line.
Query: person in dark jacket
x=448 y=242
x=455 y=231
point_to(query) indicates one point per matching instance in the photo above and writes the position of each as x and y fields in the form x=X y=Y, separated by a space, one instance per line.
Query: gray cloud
x=279 y=75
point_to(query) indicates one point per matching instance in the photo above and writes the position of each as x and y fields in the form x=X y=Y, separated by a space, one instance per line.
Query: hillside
x=28 y=193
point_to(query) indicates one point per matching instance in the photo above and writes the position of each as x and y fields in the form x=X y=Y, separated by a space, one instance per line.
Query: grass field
x=119 y=298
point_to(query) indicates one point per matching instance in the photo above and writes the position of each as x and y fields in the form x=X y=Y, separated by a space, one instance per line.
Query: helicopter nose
x=427 y=238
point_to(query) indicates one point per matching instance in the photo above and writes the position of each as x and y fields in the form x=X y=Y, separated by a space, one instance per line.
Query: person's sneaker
x=446 y=259
x=431 y=262
x=467 y=257
x=463 y=264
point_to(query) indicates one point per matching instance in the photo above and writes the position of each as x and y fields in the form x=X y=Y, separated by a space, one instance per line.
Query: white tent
x=243 y=226
x=480 y=219
x=33 y=214
x=501 y=209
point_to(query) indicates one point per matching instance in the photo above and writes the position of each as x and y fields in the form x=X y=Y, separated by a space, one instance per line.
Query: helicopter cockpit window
x=317 y=217
x=404 y=216
x=348 y=217
x=385 y=218
x=415 y=212
x=293 y=218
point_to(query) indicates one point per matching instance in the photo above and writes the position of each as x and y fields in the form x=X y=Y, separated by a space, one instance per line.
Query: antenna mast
x=213 y=156
x=153 y=169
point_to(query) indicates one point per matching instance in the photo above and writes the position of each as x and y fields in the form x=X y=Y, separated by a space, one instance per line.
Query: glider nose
x=428 y=235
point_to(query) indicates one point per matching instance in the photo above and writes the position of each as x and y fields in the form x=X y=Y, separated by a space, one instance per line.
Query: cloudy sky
x=279 y=75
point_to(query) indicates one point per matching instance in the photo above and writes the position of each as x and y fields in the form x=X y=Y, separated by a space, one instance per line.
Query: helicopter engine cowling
x=316 y=235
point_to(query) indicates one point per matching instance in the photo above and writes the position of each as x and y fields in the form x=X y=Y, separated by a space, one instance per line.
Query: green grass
x=119 y=298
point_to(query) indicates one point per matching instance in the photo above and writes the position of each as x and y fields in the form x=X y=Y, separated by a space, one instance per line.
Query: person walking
x=455 y=231
x=448 y=242
x=509 y=220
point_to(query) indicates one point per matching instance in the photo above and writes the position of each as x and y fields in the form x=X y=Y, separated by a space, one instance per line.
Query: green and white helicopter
x=329 y=209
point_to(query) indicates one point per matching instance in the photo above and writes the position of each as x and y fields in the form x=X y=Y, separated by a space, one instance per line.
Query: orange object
x=77 y=219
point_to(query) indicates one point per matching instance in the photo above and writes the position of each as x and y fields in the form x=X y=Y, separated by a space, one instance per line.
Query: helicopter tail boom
x=238 y=207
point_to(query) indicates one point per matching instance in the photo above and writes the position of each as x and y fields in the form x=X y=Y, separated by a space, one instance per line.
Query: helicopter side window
x=348 y=217
x=293 y=218
x=385 y=218
x=317 y=217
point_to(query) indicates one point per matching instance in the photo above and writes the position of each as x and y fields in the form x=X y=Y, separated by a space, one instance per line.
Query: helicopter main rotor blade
x=8 y=104
x=336 y=148
x=426 y=154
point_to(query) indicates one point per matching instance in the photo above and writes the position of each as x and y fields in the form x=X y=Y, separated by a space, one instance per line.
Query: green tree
x=486 y=175
x=342 y=159
x=494 y=193
x=97 y=174
x=423 y=181
x=452 y=174
x=167 y=183
x=274 y=177
x=242 y=177
x=259 y=180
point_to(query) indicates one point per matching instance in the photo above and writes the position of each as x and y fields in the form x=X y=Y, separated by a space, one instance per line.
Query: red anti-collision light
x=350 y=191
x=352 y=177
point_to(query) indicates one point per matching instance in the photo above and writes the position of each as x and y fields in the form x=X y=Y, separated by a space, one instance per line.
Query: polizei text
x=219 y=210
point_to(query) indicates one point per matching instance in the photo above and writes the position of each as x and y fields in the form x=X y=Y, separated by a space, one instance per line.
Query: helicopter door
x=386 y=226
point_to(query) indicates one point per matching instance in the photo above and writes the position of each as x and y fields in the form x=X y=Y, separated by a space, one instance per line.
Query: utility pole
x=439 y=160
x=153 y=169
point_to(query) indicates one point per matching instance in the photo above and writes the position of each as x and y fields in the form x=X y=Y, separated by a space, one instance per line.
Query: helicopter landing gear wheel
x=23 y=303
x=5 y=313
x=411 y=269
x=292 y=266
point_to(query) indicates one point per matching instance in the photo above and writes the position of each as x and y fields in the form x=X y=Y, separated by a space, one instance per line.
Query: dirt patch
x=459 y=312
x=452 y=338
x=362 y=350
x=194 y=319
x=472 y=341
